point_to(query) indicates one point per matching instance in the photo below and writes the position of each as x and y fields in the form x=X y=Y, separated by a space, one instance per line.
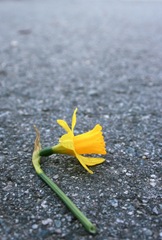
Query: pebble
x=69 y=218
x=128 y=174
x=58 y=231
x=58 y=223
x=93 y=93
x=155 y=210
x=153 y=176
x=147 y=231
x=55 y=176
x=1 y=157
x=101 y=194
x=47 y=221
x=25 y=31
x=16 y=220
x=144 y=200
x=43 y=204
x=153 y=182
x=114 y=202
x=119 y=220
x=106 y=116
x=130 y=213
x=14 y=43
x=8 y=187
x=34 y=226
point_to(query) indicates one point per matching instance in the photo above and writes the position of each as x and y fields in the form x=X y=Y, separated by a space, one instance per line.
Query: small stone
x=14 y=43
x=152 y=180
x=153 y=184
x=93 y=93
x=119 y=220
x=101 y=194
x=25 y=31
x=58 y=231
x=43 y=204
x=74 y=194
x=114 y=202
x=144 y=200
x=139 y=212
x=34 y=226
x=153 y=176
x=106 y=116
x=130 y=213
x=58 y=223
x=47 y=221
x=69 y=218
x=1 y=158
x=148 y=232
x=160 y=234
x=55 y=176
x=155 y=210
x=8 y=187
x=128 y=174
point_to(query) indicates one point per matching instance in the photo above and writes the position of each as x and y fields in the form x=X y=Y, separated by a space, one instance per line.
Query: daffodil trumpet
x=77 y=213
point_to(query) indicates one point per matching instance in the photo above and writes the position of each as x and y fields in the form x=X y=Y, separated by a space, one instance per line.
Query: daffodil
x=91 y=142
x=36 y=163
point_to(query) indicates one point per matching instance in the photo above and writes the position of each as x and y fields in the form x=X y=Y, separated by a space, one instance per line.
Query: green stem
x=36 y=163
x=46 y=152
x=82 y=218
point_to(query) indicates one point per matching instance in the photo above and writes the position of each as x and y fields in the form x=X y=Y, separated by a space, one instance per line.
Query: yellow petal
x=66 y=141
x=90 y=161
x=81 y=160
x=73 y=120
x=64 y=125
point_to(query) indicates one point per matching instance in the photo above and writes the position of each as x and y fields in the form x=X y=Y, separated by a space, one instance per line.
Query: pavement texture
x=104 y=57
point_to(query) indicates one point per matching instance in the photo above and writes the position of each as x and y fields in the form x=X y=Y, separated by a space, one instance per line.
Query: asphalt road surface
x=104 y=57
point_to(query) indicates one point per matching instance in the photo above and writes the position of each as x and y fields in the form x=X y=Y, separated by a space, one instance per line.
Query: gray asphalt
x=104 y=57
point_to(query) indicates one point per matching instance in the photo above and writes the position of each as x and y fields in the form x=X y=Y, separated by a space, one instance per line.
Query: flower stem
x=38 y=152
x=46 y=152
x=82 y=218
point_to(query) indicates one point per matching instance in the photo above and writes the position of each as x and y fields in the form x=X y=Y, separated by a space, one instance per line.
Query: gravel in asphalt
x=104 y=57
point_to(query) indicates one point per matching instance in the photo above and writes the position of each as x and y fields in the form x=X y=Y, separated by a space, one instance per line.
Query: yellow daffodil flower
x=91 y=142
x=36 y=157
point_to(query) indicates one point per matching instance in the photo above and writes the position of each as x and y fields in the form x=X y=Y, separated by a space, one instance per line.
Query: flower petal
x=73 y=120
x=90 y=161
x=66 y=141
x=64 y=125
x=86 y=143
x=81 y=160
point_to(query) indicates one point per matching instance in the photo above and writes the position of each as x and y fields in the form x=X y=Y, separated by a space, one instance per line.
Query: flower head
x=91 y=142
